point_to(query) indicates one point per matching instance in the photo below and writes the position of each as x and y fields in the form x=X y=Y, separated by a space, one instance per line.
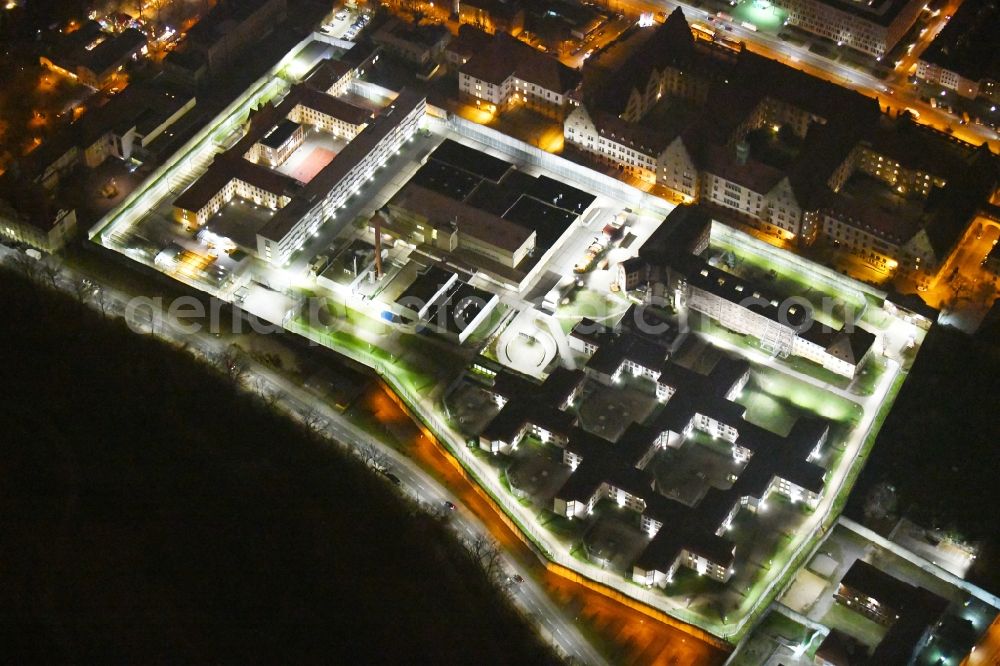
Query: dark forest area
x=939 y=449
x=152 y=512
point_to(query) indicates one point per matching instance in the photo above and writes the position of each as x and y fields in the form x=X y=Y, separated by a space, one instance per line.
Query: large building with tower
x=766 y=151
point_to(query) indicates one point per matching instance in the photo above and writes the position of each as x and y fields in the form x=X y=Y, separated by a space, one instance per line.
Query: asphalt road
x=300 y=403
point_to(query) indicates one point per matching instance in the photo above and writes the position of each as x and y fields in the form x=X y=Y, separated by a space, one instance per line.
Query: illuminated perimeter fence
x=560 y=166
x=422 y=405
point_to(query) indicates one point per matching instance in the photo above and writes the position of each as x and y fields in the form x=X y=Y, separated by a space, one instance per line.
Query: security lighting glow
x=369 y=296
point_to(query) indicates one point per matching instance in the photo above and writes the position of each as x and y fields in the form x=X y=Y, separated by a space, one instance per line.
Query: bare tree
x=373 y=456
x=157 y=6
x=487 y=553
x=267 y=396
x=313 y=421
x=82 y=290
x=881 y=502
x=100 y=298
x=233 y=365
x=49 y=271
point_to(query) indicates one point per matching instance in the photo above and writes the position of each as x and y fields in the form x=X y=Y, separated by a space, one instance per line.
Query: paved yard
x=804 y=591
x=686 y=474
x=607 y=411
x=471 y=408
x=614 y=541
x=537 y=471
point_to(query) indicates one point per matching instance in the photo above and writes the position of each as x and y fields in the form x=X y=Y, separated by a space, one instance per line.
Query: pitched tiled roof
x=753 y=175
x=953 y=207
x=506 y=56
x=333 y=106
x=644 y=139
x=470 y=41
x=669 y=44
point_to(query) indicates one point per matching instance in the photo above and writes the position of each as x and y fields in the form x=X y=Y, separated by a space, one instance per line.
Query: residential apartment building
x=909 y=612
x=94 y=57
x=35 y=223
x=680 y=535
x=510 y=73
x=223 y=35
x=418 y=44
x=918 y=168
x=492 y=16
x=730 y=179
x=872 y=28
x=332 y=76
x=963 y=55
x=836 y=180
x=695 y=537
x=232 y=176
x=331 y=115
x=275 y=146
x=667 y=62
x=469 y=42
x=784 y=326
x=931 y=72
x=637 y=152
x=136 y=126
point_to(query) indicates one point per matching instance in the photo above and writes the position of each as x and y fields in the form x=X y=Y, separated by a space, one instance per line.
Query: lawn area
x=875 y=315
x=784 y=626
x=829 y=302
x=687 y=583
x=763 y=641
x=605 y=308
x=710 y=327
x=870 y=375
x=763 y=14
x=807 y=367
x=412 y=378
x=806 y=397
x=854 y=624
x=770 y=412
x=567 y=530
